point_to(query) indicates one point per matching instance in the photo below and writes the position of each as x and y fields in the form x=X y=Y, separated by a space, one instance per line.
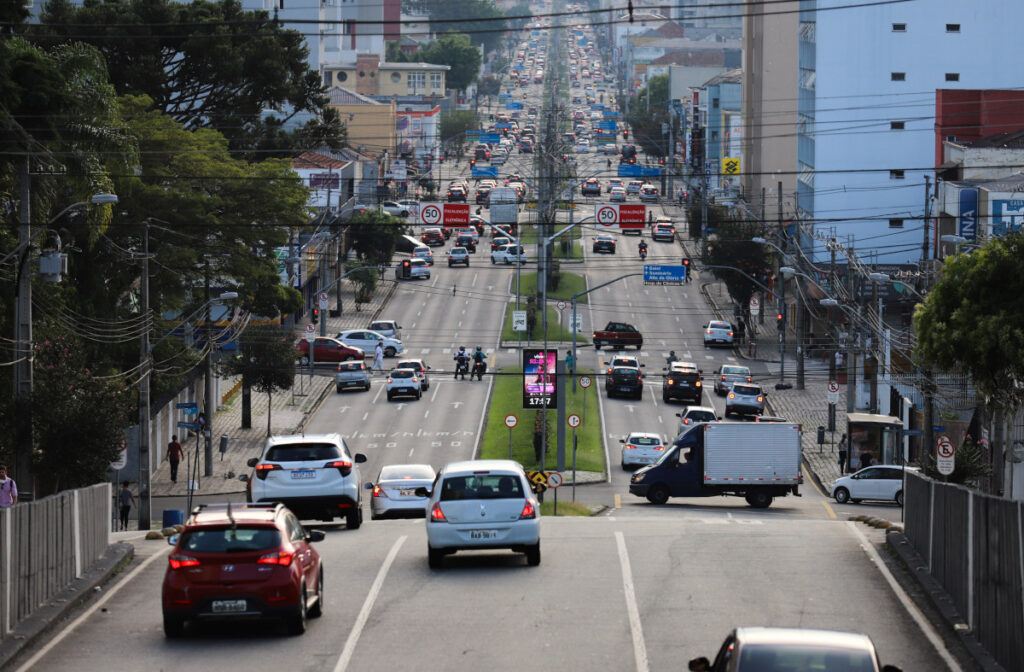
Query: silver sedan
x=393 y=493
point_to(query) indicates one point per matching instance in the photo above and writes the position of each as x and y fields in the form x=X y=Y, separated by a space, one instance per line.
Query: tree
x=454 y=125
x=648 y=110
x=973 y=320
x=266 y=362
x=454 y=50
x=732 y=246
x=480 y=18
x=207 y=64
x=489 y=86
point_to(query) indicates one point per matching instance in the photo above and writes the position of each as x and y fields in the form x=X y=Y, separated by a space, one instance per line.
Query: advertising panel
x=539 y=378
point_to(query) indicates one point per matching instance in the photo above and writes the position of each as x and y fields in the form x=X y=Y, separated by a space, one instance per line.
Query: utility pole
x=927 y=216
x=23 y=350
x=876 y=342
x=782 y=295
x=851 y=361
x=210 y=406
x=145 y=465
x=801 y=343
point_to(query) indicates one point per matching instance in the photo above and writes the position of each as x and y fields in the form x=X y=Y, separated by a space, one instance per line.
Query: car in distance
x=368 y=340
x=242 y=561
x=393 y=494
x=389 y=328
x=682 y=382
x=604 y=243
x=618 y=335
x=466 y=240
x=423 y=252
x=328 y=350
x=458 y=255
x=456 y=194
x=509 y=254
x=617 y=195
x=641 y=448
x=394 y=209
x=432 y=236
x=314 y=475
x=420 y=367
x=590 y=187
x=649 y=192
x=757 y=649
x=481 y=504
x=744 y=399
x=663 y=231
x=625 y=381
x=352 y=376
x=881 y=482
x=498 y=241
x=403 y=383
x=612 y=183
x=694 y=414
x=418 y=268
x=718 y=332
x=729 y=374
x=633 y=186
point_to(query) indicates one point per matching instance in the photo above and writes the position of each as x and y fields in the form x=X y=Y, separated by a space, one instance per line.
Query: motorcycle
x=643 y=252
x=461 y=367
x=479 y=369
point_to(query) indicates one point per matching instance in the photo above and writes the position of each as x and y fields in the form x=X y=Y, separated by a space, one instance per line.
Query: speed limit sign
x=584 y=382
x=607 y=215
x=431 y=213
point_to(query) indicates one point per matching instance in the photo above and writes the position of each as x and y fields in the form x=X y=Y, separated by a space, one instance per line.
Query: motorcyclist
x=608 y=163
x=671 y=357
x=642 y=248
x=461 y=362
x=479 y=363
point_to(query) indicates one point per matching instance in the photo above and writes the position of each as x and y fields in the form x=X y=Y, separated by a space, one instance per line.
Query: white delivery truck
x=504 y=205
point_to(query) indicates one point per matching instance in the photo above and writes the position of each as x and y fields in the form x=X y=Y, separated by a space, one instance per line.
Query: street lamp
x=884 y=277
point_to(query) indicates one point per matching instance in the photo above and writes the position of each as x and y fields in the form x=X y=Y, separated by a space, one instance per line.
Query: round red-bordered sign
x=431 y=214
x=584 y=382
x=511 y=421
x=607 y=215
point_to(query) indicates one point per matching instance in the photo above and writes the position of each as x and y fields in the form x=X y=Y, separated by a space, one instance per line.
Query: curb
x=55 y=612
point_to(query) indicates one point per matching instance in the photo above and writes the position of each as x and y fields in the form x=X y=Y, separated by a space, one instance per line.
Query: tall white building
x=866 y=108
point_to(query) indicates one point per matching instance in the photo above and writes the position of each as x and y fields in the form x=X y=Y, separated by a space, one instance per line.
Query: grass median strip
x=568 y=284
x=507 y=399
x=556 y=331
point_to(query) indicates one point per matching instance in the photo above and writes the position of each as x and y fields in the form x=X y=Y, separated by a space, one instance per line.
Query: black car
x=481 y=195
x=682 y=385
x=467 y=241
x=604 y=244
x=625 y=382
x=591 y=187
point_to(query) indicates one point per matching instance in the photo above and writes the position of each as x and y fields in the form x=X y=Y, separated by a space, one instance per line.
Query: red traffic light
x=315 y=317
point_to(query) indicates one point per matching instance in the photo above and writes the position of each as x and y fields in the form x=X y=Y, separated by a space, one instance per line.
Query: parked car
x=759 y=649
x=367 y=340
x=352 y=376
x=641 y=448
x=234 y=561
x=718 y=332
x=729 y=374
x=328 y=350
x=882 y=482
x=604 y=243
x=744 y=399
x=314 y=475
x=481 y=504
x=403 y=383
x=458 y=255
x=393 y=493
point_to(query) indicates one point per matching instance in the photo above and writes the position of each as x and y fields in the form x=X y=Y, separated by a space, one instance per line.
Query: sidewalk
x=289 y=411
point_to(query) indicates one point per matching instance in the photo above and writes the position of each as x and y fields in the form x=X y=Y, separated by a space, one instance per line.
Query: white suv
x=314 y=475
x=481 y=504
x=507 y=254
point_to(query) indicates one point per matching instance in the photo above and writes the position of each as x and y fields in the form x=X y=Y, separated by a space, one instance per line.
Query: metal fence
x=47 y=544
x=973 y=545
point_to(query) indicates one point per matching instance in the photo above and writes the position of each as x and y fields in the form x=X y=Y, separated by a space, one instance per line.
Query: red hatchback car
x=326 y=349
x=243 y=561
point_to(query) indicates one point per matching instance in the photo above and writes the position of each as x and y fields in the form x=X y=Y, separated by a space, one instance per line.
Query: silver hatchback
x=744 y=399
x=394 y=491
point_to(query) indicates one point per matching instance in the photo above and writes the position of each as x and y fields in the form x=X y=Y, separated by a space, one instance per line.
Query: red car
x=328 y=349
x=243 y=561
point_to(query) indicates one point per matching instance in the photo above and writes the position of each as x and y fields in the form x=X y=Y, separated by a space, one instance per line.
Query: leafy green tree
x=374 y=235
x=731 y=246
x=207 y=64
x=965 y=324
x=489 y=86
x=454 y=50
x=480 y=18
x=266 y=362
x=648 y=110
x=79 y=416
x=454 y=125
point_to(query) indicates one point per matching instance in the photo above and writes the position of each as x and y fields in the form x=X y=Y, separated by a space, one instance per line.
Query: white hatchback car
x=883 y=482
x=403 y=383
x=507 y=254
x=695 y=414
x=481 y=504
x=641 y=448
x=718 y=332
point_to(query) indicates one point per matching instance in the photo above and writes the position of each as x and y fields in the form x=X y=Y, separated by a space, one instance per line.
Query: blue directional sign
x=630 y=170
x=611 y=114
x=519 y=67
x=659 y=274
x=490 y=138
x=913 y=432
x=503 y=124
x=476 y=132
x=193 y=426
x=511 y=106
x=504 y=96
x=485 y=171
x=650 y=171
x=190 y=407
x=596 y=108
x=606 y=125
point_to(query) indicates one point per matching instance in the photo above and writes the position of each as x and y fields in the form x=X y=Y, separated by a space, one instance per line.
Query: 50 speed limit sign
x=431 y=213
x=584 y=382
x=607 y=215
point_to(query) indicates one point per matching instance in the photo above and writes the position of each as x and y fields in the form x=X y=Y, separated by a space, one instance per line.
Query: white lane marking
x=413 y=326
x=437 y=386
x=380 y=389
x=475 y=277
x=67 y=630
x=677 y=318
x=410 y=451
x=364 y=613
x=639 y=649
x=426 y=414
x=366 y=415
x=424 y=351
x=911 y=608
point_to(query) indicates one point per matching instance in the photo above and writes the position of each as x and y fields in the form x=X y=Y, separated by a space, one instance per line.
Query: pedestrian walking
x=8 y=489
x=570 y=362
x=839 y=359
x=842 y=453
x=125 y=499
x=174 y=456
x=378 y=359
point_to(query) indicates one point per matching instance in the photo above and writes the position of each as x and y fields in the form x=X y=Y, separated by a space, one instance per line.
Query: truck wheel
x=842 y=495
x=658 y=494
x=759 y=499
x=597 y=344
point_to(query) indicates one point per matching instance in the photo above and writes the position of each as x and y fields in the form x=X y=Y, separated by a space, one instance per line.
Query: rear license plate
x=407 y=493
x=227 y=606
x=483 y=534
x=303 y=473
x=623 y=388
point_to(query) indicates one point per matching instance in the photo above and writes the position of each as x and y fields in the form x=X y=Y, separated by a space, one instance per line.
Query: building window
x=342 y=75
x=952 y=27
x=396 y=77
x=417 y=83
x=436 y=81
x=714 y=135
x=714 y=103
x=898 y=76
x=328 y=77
x=895 y=223
x=899 y=27
x=897 y=125
x=895 y=174
x=952 y=76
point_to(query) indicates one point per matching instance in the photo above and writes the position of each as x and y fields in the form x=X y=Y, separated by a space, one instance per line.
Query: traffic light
x=315 y=318
x=406 y=268
x=780 y=321
x=472 y=162
x=625 y=134
x=491 y=118
x=661 y=160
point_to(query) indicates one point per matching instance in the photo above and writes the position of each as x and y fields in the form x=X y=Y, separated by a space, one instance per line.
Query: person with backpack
x=8 y=489
x=479 y=364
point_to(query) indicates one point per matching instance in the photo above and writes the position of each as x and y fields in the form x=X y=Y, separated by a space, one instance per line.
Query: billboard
x=539 y=378
x=1006 y=213
x=968 y=214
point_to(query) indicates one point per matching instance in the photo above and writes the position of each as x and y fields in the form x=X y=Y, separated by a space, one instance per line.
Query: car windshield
x=406 y=471
x=625 y=372
x=719 y=325
x=785 y=657
x=640 y=440
x=483 y=486
x=735 y=371
x=746 y=389
x=350 y=366
x=229 y=540
x=303 y=452
x=403 y=373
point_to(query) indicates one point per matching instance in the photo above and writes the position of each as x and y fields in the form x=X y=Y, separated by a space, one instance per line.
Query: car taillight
x=436 y=514
x=732 y=395
x=730 y=334
x=671 y=381
x=265 y=468
x=529 y=512
x=630 y=446
x=282 y=558
x=659 y=447
x=760 y=400
x=344 y=467
x=723 y=379
x=179 y=561
x=389 y=380
x=378 y=492
x=415 y=379
x=749 y=379
x=697 y=384
x=686 y=421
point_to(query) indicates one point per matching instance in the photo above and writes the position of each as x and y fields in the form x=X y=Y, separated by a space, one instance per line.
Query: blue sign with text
x=606 y=125
x=192 y=426
x=485 y=171
x=504 y=96
x=659 y=274
x=490 y=138
x=189 y=407
x=968 y=224
x=511 y=106
x=611 y=114
x=650 y=171
x=630 y=170
x=519 y=67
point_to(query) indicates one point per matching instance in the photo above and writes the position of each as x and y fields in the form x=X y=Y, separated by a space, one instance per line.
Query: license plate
x=227 y=606
x=483 y=534
x=303 y=473
x=407 y=493
x=625 y=389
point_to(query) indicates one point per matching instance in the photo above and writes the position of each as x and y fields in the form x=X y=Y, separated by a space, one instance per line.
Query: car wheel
x=353 y=519
x=899 y=498
x=318 y=609
x=664 y=397
x=841 y=495
x=759 y=499
x=296 y=623
x=450 y=264
x=419 y=395
x=728 y=411
x=856 y=501
x=367 y=386
x=340 y=388
x=304 y=360
x=597 y=344
x=493 y=261
x=658 y=494
x=390 y=396
x=435 y=558
x=174 y=626
x=533 y=555
x=389 y=352
x=623 y=465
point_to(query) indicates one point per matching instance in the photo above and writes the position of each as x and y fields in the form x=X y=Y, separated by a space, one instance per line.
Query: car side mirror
x=701 y=663
x=315 y=535
x=891 y=668
x=718 y=417
x=172 y=540
x=368 y=486
x=253 y=461
x=360 y=458
x=243 y=478
x=679 y=415
x=622 y=440
x=421 y=492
